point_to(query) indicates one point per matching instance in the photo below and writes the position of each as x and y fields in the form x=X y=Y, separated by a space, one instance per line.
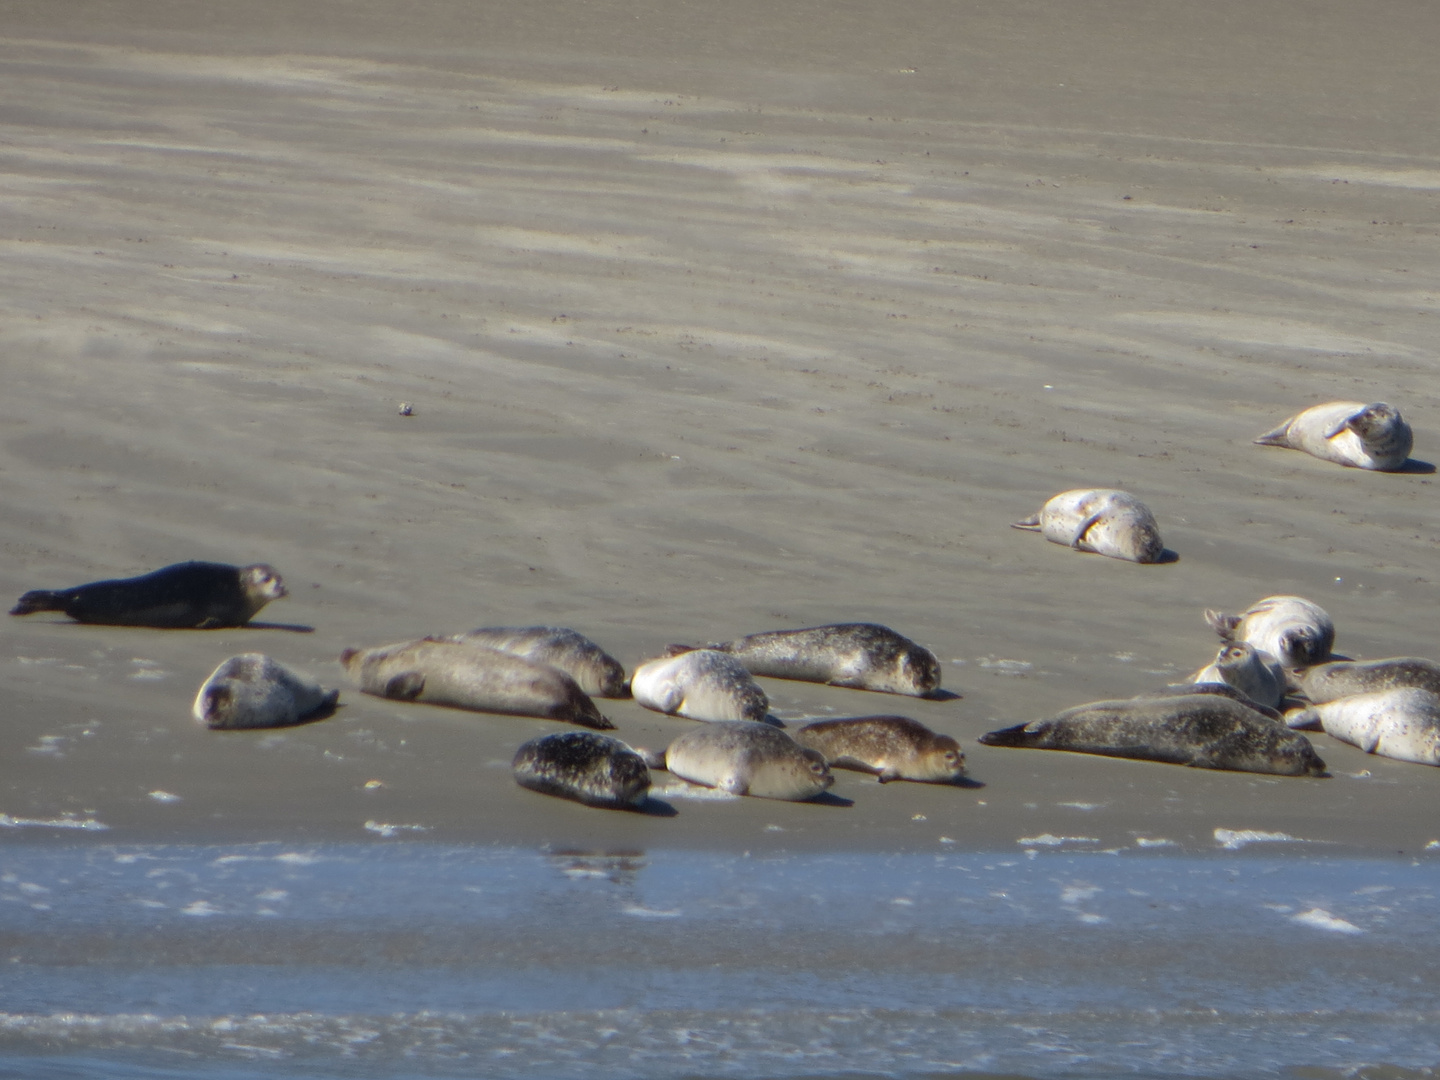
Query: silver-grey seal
x=746 y=758
x=861 y=656
x=1347 y=433
x=185 y=596
x=700 y=684
x=1290 y=628
x=1255 y=674
x=1099 y=520
x=1343 y=678
x=255 y=691
x=595 y=671
x=1402 y=723
x=596 y=770
x=892 y=747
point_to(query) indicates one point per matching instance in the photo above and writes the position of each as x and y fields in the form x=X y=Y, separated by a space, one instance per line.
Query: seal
x=1343 y=678
x=597 y=672
x=861 y=656
x=1220 y=689
x=189 y=595
x=1290 y=628
x=439 y=671
x=254 y=691
x=1257 y=675
x=1347 y=433
x=1403 y=723
x=1205 y=731
x=1101 y=520
x=701 y=684
x=892 y=747
x=593 y=769
x=746 y=758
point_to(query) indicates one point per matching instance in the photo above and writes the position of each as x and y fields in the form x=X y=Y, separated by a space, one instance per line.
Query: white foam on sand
x=1323 y=920
x=1235 y=839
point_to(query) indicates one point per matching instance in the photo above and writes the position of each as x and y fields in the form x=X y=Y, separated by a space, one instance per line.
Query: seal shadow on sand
x=827 y=798
x=653 y=807
x=1167 y=556
x=294 y=628
x=943 y=695
x=1415 y=466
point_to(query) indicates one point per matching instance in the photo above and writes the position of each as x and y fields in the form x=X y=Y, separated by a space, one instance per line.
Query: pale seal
x=593 y=769
x=746 y=758
x=1348 y=433
x=892 y=747
x=700 y=684
x=1403 y=723
x=1204 y=731
x=1255 y=674
x=254 y=691
x=1101 y=520
x=438 y=671
x=190 y=595
x=1342 y=678
x=861 y=656
x=1290 y=628
x=597 y=672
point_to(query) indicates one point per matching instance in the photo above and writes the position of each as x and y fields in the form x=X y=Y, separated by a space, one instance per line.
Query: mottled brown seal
x=439 y=671
x=255 y=691
x=593 y=769
x=1342 y=678
x=1100 y=520
x=1290 y=628
x=700 y=684
x=892 y=747
x=1402 y=723
x=746 y=758
x=593 y=669
x=1204 y=731
x=190 y=595
x=1347 y=433
x=861 y=656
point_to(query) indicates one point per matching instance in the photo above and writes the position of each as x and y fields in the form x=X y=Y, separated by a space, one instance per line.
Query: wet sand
x=713 y=320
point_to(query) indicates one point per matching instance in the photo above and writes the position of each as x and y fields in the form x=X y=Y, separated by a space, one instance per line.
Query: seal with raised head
x=597 y=672
x=1402 y=723
x=700 y=684
x=1257 y=675
x=1204 y=731
x=593 y=769
x=746 y=758
x=892 y=747
x=253 y=690
x=1342 y=678
x=440 y=671
x=1290 y=628
x=861 y=656
x=1347 y=433
x=190 y=595
x=1101 y=520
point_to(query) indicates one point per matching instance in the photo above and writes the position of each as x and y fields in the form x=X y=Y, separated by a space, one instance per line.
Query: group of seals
x=1388 y=707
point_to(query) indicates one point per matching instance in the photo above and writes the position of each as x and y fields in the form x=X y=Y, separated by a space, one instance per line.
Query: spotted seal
x=892 y=747
x=595 y=671
x=746 y=758
x=1342 y=678
x=1204 y=731
x=189 y=595
x=1100 y=520
x=1401 y=723
x=1347 y=433
x=1290 y=628
x=439 y=671
x=1219 y=689
x=593 y=769
x=861 y=656
x=700 y=684
x=254 y=691
x=1257 y=675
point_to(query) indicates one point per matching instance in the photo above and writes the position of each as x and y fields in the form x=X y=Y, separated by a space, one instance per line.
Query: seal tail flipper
x=38 y=600
x=1222 y=624
x=407 y=686
x=1279 y=437
x=1032 y=523
x=1019 y=735
x=1303 y=720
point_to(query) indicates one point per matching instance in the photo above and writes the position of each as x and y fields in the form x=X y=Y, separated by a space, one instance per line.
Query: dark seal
x=191 y=595
x=593 y=769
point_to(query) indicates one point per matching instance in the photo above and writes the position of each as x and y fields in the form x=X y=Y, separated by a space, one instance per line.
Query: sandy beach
x=712 y=321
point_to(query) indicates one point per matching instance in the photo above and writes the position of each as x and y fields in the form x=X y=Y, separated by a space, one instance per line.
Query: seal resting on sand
x=700 y=684
x=861 y=656
x=1344 y=678
x=254 y=691
x=593 y=769
x=1347 y=433
x=746 y=758
x=892 y=747
x=1257 y=675
x=1205 y=731
x=1101 y=520
x=596 y=671
x=190 y=595
x=1403 y=723
x=1290 y=628
x=439 y=671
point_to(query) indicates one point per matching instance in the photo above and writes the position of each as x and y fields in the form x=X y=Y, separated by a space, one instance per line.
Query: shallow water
x=416 y=959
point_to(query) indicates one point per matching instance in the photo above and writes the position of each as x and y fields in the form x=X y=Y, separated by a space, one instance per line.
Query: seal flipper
x=39 y=600
x=407 y=686
x=1279 y=437
x=1032 y=523
x=1222 y=624
x=1078 y=541
x=1345 y=423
